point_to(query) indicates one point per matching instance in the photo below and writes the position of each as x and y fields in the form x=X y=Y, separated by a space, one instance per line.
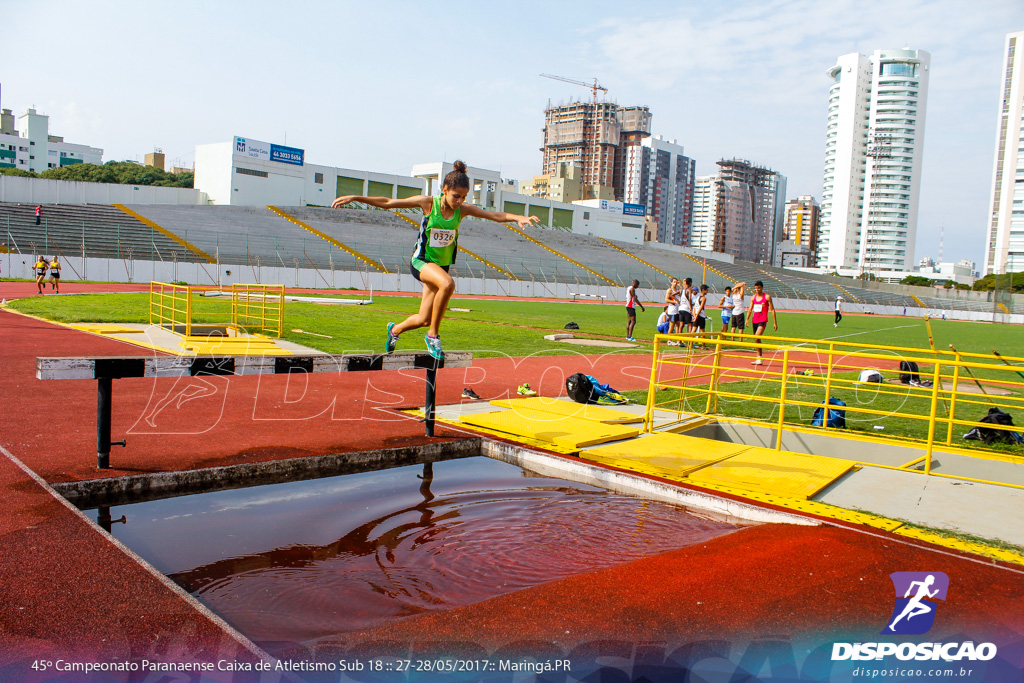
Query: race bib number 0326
x=441 y=238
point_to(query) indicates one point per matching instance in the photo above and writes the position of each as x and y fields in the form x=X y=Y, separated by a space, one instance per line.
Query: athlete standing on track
x=436 y=248
x=739 y=319
x=760 y=304
x=726 y=305
x=686 y=306
x=41 y=266
x=631 y=303
x=672 y=299
x=839 y=313
x=55 y=274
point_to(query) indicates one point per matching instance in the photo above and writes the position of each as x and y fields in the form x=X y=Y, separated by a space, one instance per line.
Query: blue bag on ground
x=836 y=418
x=604 y=394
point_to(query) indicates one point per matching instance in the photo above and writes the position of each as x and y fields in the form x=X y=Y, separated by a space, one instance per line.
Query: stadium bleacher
x=92 y=230
x=258 y=236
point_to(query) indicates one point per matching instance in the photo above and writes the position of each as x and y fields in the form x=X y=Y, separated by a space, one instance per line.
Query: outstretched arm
x=417 y=202
x=498 y=216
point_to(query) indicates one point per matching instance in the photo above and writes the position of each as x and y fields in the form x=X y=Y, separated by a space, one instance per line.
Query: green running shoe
x=434 y=347
x=389 y=345
x=525 y=390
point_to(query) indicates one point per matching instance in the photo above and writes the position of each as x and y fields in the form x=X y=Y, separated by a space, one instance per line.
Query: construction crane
x=594 y=87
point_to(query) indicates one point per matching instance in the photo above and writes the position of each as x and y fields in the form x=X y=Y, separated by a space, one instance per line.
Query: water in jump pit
x=302 y=561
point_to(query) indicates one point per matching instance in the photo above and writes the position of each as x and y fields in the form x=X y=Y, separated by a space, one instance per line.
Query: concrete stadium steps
x=878 y=297
x=953 y=304
x=107 y=231
x=676 y=265
x=595 y=254
x=527 y=260
x=740 y=271
x=241 y=234
x=383 y=232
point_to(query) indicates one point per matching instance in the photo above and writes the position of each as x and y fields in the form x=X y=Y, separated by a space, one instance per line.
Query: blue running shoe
x=434 y=347
x=389 y=345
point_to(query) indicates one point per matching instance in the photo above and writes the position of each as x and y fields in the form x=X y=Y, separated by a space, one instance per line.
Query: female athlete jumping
x=435 y=250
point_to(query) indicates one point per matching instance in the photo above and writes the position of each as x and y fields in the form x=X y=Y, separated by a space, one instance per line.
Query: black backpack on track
x=579 y=388
x=909 y=372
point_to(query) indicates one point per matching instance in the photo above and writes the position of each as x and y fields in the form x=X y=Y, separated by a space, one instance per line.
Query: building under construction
x=740 y=211
x=594 y=136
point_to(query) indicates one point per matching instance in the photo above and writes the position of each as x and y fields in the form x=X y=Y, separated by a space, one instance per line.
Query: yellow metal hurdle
x=251 y=308
x=701 y=380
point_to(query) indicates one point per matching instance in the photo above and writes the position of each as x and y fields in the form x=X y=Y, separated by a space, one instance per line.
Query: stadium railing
x=708 y=382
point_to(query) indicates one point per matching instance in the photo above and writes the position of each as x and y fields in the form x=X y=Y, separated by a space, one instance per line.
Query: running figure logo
x=915 y=614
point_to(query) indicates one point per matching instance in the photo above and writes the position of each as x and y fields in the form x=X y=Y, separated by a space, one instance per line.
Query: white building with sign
x=249 y=172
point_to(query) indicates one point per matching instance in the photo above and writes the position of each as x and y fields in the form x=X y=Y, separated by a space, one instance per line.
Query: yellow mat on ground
x=783 y=473
x=666 y=455
x=106 y=328
x=570 y=409
x=233 y=346
x=567 y=432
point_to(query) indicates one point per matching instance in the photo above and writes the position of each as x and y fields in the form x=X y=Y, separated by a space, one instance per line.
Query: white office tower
x=1004 y=249
x=705 y=208
x=660 y=176
x=873 y=149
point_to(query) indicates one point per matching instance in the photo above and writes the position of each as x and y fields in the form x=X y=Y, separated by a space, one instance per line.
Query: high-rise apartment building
x=873 y=148
x=705 y=206
x=802 y=215
x=593 y=136
x=739 y=211
x=660 y=176
x=1004 y=248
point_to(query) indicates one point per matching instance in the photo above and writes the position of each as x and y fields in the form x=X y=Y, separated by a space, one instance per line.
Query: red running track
x=69 y=589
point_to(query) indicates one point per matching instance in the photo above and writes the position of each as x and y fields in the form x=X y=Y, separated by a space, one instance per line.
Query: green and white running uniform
x=438 y=239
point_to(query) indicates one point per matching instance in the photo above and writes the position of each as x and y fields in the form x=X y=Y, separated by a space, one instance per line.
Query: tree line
x=114 y=172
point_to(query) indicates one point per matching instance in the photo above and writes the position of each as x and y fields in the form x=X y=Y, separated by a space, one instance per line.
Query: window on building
x=898 y=69
x=249 y=171
x=318 y=178
x=31 y=142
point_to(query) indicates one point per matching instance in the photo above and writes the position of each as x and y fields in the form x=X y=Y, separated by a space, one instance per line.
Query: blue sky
x=381 y=86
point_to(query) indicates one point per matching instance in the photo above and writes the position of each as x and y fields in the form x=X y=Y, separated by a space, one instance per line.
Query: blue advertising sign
x=286 y=155
x=634 y=210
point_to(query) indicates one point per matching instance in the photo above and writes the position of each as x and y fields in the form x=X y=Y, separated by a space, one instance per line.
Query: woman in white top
x=672 y=299
x=739 y=319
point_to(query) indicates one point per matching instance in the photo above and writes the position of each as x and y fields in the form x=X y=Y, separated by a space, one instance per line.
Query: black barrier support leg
x=428 y=411
x=103 y=399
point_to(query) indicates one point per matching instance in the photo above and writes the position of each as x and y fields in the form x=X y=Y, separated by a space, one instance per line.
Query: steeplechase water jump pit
x=303 y=566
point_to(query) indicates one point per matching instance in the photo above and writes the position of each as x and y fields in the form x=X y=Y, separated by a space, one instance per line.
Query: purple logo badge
x=915 y=608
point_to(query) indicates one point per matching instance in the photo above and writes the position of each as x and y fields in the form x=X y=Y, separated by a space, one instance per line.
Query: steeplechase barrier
x=105 y=369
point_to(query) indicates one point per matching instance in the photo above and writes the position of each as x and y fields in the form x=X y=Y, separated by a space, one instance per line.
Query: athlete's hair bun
x=456 y=178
